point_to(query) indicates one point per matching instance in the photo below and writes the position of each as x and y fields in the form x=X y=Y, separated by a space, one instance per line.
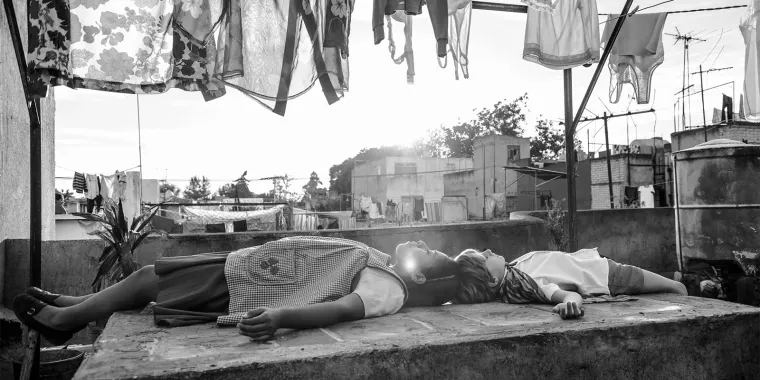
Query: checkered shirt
x=296 y=271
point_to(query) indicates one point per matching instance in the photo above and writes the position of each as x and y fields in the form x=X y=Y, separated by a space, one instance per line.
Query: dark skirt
x=191 y=289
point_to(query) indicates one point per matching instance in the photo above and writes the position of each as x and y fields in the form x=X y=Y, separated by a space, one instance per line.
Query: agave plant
x=122 y=239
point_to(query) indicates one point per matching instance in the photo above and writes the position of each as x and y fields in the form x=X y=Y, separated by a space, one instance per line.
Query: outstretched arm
x=569 y=304
x=261 y=324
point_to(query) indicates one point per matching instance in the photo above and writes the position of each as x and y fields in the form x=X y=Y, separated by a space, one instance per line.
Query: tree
x=504 y=119
x=310 y=188
x=168 y=186
x=199 y=188
x=549 y=142
x=282 y=191
x=234 y=190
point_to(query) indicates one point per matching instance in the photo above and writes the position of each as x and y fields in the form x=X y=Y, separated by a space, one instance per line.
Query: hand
x=568 y=310
x=260 y=324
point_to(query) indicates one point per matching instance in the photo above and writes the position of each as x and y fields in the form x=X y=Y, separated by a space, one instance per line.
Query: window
x=513 y=152
x=406 y=168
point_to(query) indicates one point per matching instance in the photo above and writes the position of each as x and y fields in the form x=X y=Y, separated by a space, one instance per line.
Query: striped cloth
x=519 y=287
x=296 y=271
x=79 y=185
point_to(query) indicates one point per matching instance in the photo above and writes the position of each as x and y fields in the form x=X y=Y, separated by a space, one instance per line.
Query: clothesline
x=671 y=12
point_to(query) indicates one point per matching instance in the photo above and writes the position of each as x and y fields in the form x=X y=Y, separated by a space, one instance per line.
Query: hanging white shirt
x=646 y=196
x=584 y=272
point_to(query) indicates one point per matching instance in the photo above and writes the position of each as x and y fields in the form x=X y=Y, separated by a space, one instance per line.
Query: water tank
x=717 y=189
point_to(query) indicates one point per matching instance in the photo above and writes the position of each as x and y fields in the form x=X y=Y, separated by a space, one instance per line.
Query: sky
x=181 y=135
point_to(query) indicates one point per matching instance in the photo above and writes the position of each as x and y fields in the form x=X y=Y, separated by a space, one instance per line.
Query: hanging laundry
x=402 y=12
x=127 y=46
x=565 y=38
x=637 y=52
x=646 y=196
x=79 y=184
x=542 y=5
x=274 y=51
x=751 y=35
x=93 y=186
x=460 y=15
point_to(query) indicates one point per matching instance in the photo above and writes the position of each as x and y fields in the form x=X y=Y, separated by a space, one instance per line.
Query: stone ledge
x=656 y=337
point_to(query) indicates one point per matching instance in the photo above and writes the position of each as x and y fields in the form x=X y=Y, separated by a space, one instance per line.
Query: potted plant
x=121 y=239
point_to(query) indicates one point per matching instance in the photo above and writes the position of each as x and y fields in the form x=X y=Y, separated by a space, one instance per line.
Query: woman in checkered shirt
x=294 y=282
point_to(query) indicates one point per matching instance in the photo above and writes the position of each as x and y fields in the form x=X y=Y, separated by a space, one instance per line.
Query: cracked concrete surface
x=658 y=336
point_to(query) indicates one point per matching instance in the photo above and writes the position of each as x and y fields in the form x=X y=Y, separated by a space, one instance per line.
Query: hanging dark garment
x=274 y=51
x=79 y=184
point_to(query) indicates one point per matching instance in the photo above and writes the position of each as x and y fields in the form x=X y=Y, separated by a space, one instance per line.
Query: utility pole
x=702 y=92
x=609 y=162
x=607 y=143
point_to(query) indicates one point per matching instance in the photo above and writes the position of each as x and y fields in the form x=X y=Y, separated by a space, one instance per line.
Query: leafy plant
x=556 y=220
x=122 y=239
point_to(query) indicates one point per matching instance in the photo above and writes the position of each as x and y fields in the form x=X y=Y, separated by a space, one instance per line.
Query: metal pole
x=601 y=65
x=484 y=180
x=569 y=160
x=702 y=91
x=609 y=164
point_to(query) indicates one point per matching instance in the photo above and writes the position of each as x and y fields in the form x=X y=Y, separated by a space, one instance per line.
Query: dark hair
x=475 y=284
x=441 y=285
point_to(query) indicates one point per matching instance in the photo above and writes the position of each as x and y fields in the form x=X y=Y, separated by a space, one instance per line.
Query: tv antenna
x=702 y=88
x=687 y=40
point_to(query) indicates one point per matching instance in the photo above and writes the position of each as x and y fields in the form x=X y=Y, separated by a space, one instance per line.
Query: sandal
x=43 y=295
x=26 y=307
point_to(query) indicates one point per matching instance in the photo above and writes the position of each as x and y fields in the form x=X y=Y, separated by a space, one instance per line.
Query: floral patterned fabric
x=277 y=50
x=126 y=46
x=271 y=50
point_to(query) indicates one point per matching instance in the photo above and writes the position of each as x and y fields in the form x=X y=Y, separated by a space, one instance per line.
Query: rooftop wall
x=69 y=266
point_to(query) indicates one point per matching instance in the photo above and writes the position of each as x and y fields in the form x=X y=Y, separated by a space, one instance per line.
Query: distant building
x=646 y=162
x=410 y=182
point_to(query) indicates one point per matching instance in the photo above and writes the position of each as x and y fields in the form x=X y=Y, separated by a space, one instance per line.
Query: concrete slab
x=656 y=337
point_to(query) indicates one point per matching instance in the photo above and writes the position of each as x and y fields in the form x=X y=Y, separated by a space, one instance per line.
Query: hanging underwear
x=565 y=38
x=402 y=12
x=637 y=52
x=460 y=16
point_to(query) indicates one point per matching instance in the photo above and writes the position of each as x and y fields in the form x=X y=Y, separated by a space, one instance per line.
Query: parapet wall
x=69 y=266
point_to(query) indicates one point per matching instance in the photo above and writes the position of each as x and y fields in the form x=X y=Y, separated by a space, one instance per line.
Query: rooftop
x=657 y=336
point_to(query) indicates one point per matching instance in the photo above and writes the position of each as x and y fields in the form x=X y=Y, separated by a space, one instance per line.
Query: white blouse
x=381 y=293
x=584 y=271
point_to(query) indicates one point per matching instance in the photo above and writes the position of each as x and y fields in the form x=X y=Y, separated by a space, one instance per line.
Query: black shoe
x=43 y=295
x=26 y=307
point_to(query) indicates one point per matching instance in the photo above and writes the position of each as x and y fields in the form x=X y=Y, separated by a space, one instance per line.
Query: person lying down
x=558 y=278
x=295 y=282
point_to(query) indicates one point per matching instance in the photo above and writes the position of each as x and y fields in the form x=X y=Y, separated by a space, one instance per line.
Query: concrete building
x=410 y=182
x=646 y=162
x=488 y=178
x=732 y=130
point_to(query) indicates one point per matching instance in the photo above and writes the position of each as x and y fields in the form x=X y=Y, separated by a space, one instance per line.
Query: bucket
x=56 y=364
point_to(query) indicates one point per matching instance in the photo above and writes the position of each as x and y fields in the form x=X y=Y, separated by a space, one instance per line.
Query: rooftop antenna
x=702 y=89
x=686 y=39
